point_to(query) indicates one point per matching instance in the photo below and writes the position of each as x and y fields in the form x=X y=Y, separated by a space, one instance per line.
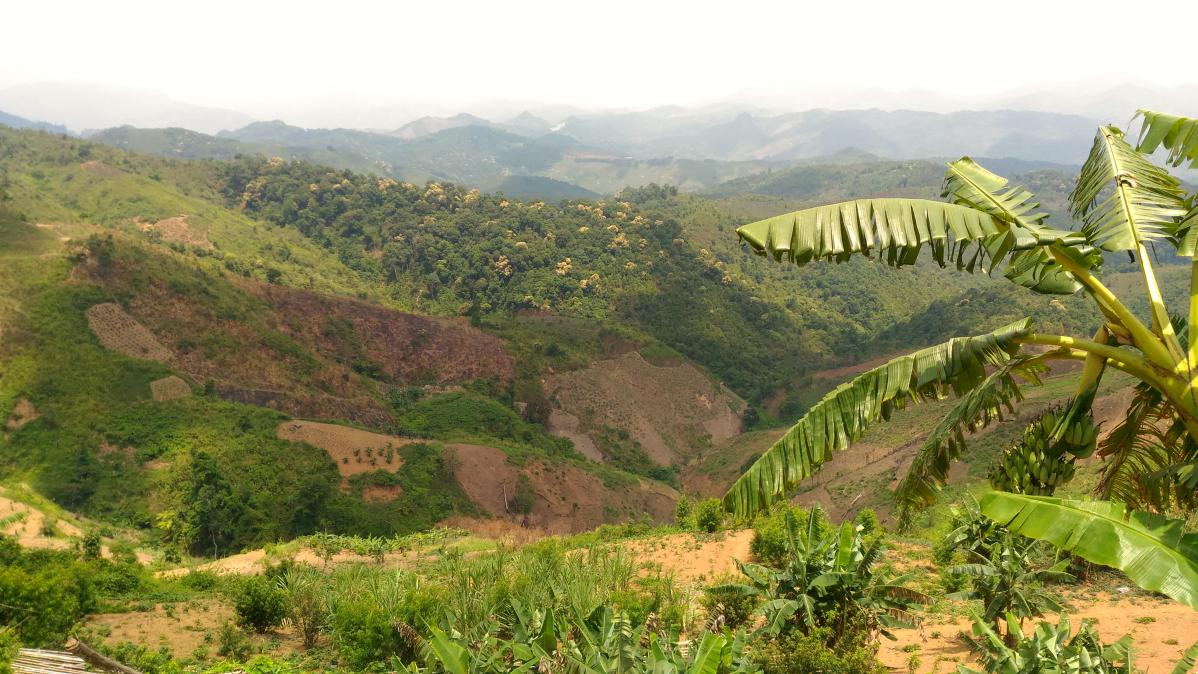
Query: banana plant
x=1008 y=582
x=829 y=579
x=1155 y=552
x=605 y=642
x=1049 y=648
x=1122 y=203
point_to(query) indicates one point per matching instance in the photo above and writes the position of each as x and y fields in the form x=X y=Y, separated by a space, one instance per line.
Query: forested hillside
x=303 y=270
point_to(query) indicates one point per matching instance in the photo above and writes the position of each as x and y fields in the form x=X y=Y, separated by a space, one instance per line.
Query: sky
x=260 y=56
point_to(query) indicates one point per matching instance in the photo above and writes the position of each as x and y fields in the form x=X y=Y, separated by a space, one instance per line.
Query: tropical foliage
x=1121 y=203
x=1004 y=574
x=1049 y=648
x=828 y=579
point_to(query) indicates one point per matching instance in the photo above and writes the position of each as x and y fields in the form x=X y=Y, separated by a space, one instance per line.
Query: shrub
x=117 y=578
x=1050 y=648
x=306 y=607
x=829 y=579
x=260 y=603
x=365 y=635
x=769 y=534
x=199 y=580
x=8 y=648
x=90 y=546
x=143 y=659
x=710 y=515
x=524 y=496
x=728 y=606
x=44 y=598
x=868 y=520
x=684 y=512
x=800 y=654
x=233 y=643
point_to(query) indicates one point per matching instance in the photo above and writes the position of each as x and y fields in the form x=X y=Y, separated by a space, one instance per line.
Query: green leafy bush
x=684 y=512
x=232 y=642
x=1050 y=648
x=728 y=605
x=259 y=603
x=306 y=606
x=709 y=515
x=806 y=653
x=43 y=594
x=364 y=634
x=8 y=649
x=770 y=534
x=829 y=578
x=523 y=496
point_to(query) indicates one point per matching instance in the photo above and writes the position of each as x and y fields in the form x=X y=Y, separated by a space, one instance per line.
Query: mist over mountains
x=562 y=152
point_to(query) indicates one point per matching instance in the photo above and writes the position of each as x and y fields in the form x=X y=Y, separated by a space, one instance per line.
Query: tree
x=1123 y=203
x=209 y=512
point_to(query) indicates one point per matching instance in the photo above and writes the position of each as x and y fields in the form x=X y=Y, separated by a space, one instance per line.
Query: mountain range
x=573 y=153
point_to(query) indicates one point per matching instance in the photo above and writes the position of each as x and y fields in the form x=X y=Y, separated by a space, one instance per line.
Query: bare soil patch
x=669 y=409
x=182 y=628
x=695 y=558
x=568 y=498
x=170 y=388
x=177 y=231
x=29 y=526
x=362 y=410
x=354 y=450
x=243 y=563
x=565 y=425
x=403 y=347
x=505 y=531
x=22 y=413
x=381 y=493
x=100 y=168
x=120 y=332
x=1160 y=629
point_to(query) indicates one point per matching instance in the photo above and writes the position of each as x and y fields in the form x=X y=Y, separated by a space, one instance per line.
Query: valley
x=304 y=363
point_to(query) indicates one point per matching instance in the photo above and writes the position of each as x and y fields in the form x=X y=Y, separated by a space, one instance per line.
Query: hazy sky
x=256 y=55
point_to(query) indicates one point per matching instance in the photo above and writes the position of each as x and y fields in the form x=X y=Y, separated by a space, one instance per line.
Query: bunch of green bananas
x=1037 y=464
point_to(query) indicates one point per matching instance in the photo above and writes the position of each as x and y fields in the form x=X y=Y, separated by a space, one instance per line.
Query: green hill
x=268 y=283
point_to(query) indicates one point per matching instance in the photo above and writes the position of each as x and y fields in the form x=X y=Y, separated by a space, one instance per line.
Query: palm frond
x=1188 y=660
x=974 y=410
x=842 y=416
x=1177 y=134
x=896 y=230
x=1147 y=455
x=1123 y=199
x=968 y=183
x=1124 y=441
x=1186 y=234
x=1154 y=552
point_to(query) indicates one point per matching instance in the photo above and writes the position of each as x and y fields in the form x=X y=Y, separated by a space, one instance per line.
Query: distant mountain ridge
x=16 y=122
x=902 y=134
x=80 y=107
